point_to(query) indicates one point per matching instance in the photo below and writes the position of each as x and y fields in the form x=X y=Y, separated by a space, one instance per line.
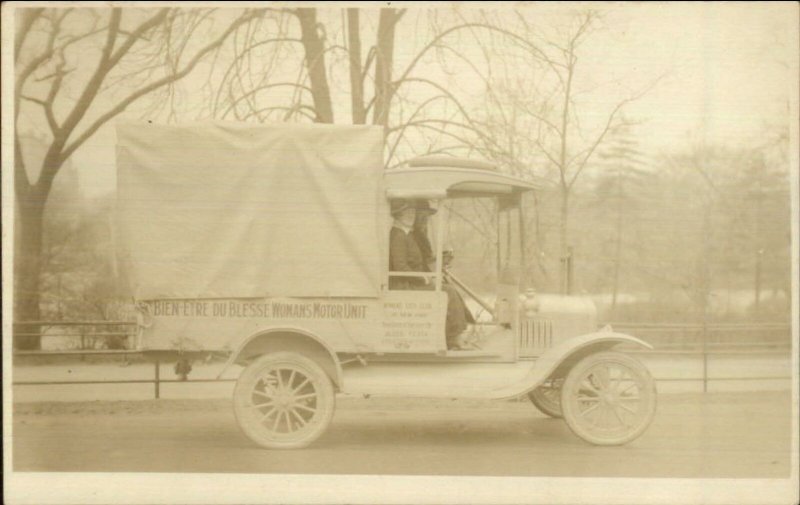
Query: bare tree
x=560 y=136
x=256 y=55
x=313 y=43
x=140 y=53
x=383 y=90
x=617 y=196
x=357 y=68
x=739 y=200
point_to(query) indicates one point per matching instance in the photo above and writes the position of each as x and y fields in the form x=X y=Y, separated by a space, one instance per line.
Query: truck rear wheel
x=283 y=400
x=608 y=398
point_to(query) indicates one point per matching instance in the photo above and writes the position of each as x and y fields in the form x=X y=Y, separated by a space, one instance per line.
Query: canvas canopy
x=230 y=210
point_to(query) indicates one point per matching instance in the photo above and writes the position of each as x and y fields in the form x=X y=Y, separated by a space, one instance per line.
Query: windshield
x=484 y=234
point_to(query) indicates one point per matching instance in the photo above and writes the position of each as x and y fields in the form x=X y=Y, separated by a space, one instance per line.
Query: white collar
x=406 y=229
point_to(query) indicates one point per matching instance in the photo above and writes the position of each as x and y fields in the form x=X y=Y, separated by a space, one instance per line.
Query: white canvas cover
x=237 y=210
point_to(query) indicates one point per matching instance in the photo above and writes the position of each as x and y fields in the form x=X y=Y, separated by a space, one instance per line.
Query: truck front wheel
x=283 y=400
x=608 y=398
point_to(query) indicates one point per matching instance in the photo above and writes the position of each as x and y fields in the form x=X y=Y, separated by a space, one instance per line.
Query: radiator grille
x=535 y=335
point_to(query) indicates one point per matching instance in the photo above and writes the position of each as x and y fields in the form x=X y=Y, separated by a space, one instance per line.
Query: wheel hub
x=283 y=400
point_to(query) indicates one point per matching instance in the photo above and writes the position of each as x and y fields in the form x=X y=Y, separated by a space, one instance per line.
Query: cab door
x=413 y=321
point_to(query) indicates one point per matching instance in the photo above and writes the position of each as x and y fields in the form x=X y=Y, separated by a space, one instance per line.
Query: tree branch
x=368 y=62
x=442 y=89
x=135 y=36
x=588 y=152
x=22 y=184
x=538 y=116
x=262 y=88
x=32 y=65
x=121 y=106
x=483 y=233
x=450 y=30
x=547 y=154
x=441 y=131
x=29 y=16
x=298 y=109
x=403 y=127
x=241 y=55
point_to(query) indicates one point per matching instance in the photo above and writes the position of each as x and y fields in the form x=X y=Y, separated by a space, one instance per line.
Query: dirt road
x=694 y=435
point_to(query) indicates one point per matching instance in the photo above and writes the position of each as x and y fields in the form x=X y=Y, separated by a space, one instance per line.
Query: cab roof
x=448 y=177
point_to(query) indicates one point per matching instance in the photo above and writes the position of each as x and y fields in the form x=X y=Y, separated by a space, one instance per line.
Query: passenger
x=406 y=255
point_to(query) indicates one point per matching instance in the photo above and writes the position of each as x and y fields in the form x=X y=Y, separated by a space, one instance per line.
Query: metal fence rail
x=710 y=333
x=86 y=334
x=156 y=380
x=734 y=338
x=694 y=346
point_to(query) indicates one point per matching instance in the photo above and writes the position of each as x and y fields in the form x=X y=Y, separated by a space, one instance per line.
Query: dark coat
x=424 y=247
x=405 y=256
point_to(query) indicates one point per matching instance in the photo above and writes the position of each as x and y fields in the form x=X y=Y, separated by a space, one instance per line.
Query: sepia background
x=664 y=131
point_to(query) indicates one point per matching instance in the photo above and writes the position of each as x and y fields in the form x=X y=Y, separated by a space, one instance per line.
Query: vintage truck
x=270 y=244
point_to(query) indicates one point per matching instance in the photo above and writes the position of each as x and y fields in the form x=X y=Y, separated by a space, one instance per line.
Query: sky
x=727 y=68
x=725 y=75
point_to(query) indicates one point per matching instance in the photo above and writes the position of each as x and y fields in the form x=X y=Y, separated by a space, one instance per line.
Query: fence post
x=704 y=337
x=567 y=272
x=158 y=378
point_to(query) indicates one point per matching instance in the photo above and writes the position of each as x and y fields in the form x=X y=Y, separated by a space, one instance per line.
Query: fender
x=557 y=355
x=284 y=329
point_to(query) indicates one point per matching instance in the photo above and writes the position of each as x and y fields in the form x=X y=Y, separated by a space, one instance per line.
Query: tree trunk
x=704 y=266
x=315 y=64
x=31 y=201
x=617 y=262
x=565 y=185
x=759 y=250
x=356 y=79
x=383 y=66
x=564 y=246
x=617 y=245
x=27 y=267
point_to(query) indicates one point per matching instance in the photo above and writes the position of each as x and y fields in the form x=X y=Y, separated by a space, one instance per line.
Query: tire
x=547 y=398
x=283 y=400
x=608 y=398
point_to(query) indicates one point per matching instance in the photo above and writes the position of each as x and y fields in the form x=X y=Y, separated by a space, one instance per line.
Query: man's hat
x=423 y=206
x=398 y=206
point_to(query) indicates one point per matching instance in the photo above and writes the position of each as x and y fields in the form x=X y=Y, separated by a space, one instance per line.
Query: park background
x=663 y=130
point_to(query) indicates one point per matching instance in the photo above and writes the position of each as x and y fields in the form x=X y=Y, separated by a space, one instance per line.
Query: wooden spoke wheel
x=608 y=398
x=283 y=401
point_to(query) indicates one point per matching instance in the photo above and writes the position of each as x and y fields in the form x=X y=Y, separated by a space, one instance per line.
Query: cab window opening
x=414 y=252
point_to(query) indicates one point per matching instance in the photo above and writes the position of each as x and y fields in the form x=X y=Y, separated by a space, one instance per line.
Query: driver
x=420 y=231
x=456 y=305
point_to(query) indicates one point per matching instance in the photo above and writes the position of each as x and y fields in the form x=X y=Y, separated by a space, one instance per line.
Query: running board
x=477 y=353
x=453 y=379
